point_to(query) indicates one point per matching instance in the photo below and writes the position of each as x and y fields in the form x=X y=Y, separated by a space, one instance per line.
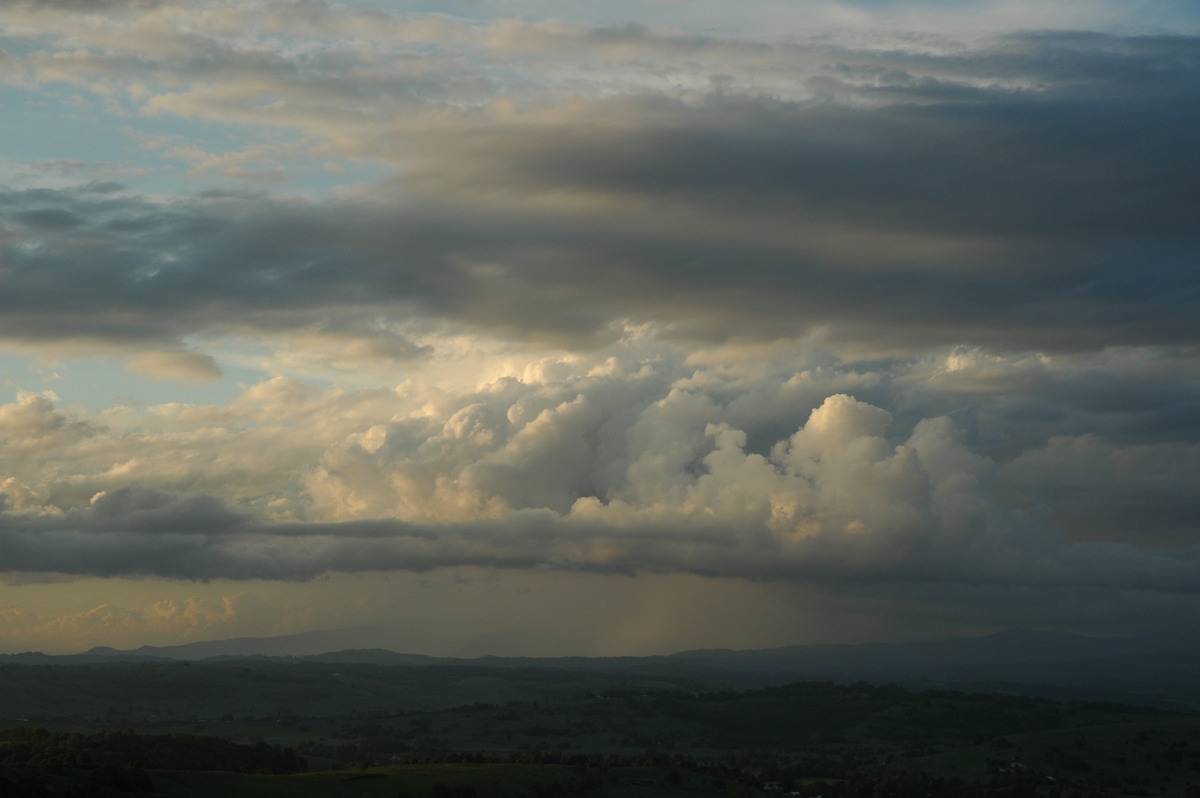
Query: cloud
x=644 y=434
x=1104 y=490
x=994 y=191
x=112 y=622
x=537 y=539
x=188 y=366
x=835 y=502
x=869 y=309
x=33 y=422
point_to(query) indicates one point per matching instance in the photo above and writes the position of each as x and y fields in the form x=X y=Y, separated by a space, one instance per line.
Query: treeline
x=37 y=762
x=54 y=751
x=811 y=720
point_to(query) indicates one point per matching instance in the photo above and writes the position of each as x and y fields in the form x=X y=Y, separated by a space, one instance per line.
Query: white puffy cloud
x=34 y=423
x=632 y=465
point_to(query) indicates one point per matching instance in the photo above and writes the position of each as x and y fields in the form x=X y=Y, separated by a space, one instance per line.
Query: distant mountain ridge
x=1002 y=649
x=999 y=650
x=1158 y=669
x=302 y=644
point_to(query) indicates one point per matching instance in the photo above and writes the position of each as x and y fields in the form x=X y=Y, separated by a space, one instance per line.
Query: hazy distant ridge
x=1162 y=671
x=303 y=644
x=1143 y=662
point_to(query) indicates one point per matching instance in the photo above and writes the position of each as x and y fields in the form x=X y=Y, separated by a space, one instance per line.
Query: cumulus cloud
x=33 y=422
x=835 y=501
x=643 y=435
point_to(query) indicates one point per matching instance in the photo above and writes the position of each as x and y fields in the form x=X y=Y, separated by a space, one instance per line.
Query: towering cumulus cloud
x=883 y=302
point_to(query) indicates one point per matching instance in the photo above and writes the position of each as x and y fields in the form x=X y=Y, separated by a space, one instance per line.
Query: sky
x=546 y=327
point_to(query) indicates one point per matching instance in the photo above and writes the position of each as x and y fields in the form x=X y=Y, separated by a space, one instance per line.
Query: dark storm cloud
x=140 y=532
x=1128 y=396
x=1019 y=222
x=127 y=269
x=1055 y=215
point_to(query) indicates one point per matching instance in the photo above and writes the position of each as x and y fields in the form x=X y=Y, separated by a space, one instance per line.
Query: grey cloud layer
x=1036 y=192
x=141 y=532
